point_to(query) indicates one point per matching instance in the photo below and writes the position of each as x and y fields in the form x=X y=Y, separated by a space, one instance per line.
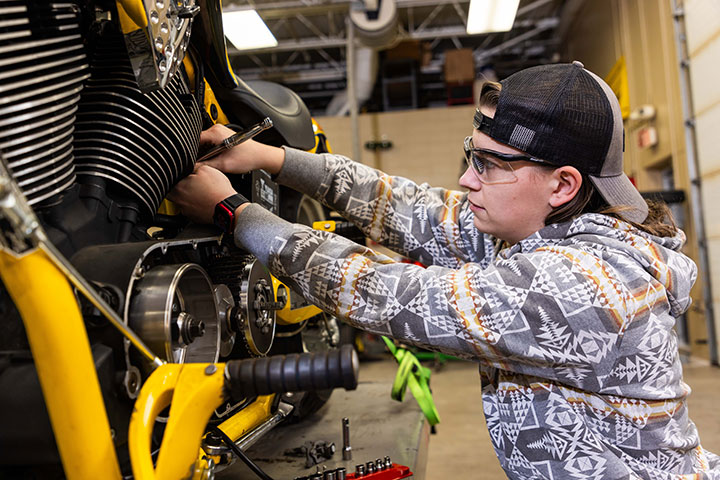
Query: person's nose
x=469 y=180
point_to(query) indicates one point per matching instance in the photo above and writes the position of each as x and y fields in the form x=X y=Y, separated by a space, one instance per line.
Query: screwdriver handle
x=237 y=139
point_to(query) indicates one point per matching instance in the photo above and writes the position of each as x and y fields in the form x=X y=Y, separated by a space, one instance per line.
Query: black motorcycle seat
x=251 y=101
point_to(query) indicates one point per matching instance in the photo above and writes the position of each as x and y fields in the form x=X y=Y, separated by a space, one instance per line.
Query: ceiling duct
x=377 y=27
x=366 y=70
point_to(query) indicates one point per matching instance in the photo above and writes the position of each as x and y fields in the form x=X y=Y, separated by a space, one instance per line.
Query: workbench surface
x=379 y=426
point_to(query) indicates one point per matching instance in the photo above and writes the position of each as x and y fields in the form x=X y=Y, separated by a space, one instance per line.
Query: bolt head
x=196 y=328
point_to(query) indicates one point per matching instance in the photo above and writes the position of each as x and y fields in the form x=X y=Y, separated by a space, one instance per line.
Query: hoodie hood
x=624 y=247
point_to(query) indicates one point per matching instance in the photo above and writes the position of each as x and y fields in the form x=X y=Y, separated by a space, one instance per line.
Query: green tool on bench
x=411 y=374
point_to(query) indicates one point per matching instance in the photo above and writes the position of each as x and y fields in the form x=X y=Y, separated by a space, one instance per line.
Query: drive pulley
x=175 y=313
x=255 y=313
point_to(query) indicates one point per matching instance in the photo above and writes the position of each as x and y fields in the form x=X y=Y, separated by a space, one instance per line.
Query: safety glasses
x=491 y=167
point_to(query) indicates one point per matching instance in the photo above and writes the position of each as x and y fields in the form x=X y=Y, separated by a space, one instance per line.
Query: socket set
x=378 y=470
x=337 y=474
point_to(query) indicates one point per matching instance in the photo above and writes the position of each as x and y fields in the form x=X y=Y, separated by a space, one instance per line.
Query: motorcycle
x=133 y=342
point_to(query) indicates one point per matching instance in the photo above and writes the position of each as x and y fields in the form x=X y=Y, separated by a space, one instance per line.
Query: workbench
x=379 y=427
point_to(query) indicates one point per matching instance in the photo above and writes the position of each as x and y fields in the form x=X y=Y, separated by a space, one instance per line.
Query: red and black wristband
x=224 y=216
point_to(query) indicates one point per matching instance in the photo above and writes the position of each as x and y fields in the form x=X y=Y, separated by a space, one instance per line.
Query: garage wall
x=426 y=143
x=702 y=23
x=642 y=32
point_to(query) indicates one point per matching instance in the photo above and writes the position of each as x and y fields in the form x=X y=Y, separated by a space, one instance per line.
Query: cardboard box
x=427 y=54
x=459 y=66
x=405 y=50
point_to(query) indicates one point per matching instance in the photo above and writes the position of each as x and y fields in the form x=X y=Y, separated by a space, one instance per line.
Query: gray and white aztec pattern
x=572 y=327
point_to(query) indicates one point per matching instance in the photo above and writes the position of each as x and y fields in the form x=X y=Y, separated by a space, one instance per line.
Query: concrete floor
x=461 y=448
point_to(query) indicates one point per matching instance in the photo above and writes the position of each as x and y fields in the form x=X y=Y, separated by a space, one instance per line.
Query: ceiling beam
x=307 y=73
x=322 y=6
x=531 y=6
x=309 y=43
x=481 y=55
x=429 y=18
x=310 y=26
x=426 y=33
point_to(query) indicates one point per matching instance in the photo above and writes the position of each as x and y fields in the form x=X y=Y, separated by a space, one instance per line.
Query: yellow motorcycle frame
x=71 y=389
x=40 y=282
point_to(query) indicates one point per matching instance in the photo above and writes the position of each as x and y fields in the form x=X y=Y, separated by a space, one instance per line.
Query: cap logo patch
x=521 y=137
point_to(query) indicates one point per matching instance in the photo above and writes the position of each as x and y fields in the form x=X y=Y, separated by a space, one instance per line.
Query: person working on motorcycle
x=571 y=322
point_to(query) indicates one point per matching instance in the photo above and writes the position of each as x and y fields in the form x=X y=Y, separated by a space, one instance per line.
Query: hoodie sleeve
x=504 y=315
x=431 y=225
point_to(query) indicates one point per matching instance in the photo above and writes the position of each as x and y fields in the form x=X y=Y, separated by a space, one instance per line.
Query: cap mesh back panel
x=567 y=110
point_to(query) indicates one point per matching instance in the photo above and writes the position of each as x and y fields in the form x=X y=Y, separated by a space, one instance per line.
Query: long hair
x=659 y=221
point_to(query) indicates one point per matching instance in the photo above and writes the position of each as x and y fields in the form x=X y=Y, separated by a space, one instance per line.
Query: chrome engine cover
x=158 y=44
x=175 y=313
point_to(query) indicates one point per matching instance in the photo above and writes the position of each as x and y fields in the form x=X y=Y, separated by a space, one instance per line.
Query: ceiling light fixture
x=246 y=30
x=487 y=16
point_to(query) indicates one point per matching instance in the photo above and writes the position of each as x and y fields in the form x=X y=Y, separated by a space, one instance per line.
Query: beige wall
x=702 y=21
x=643 y=32
x=427 y=143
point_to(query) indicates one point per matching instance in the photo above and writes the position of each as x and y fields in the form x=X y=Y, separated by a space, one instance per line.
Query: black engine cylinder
x=140 y=144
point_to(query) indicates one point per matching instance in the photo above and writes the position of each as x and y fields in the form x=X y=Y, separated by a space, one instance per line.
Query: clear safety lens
x=488 y=168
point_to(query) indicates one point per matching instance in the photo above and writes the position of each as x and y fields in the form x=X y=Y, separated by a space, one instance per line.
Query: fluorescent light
x=487 y=16
x=246 y=30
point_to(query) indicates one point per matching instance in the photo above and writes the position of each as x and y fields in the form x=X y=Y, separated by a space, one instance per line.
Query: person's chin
x=481 y=224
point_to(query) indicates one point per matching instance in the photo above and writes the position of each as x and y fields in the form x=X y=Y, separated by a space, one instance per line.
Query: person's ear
x=566 y=183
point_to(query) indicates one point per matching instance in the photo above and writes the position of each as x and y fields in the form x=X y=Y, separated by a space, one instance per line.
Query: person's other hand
x=245 y=157
x=198 y=193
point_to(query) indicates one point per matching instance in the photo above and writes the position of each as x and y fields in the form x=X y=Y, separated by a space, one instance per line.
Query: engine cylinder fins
x=42 y=70
x=175 y=313
x=254 y=319
x=141 y=144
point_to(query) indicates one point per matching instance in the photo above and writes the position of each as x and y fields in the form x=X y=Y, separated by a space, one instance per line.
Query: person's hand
x=245 y=157
x=198 y=193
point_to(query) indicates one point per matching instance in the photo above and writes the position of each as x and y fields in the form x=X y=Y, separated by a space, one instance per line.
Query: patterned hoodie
x=572 y=326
